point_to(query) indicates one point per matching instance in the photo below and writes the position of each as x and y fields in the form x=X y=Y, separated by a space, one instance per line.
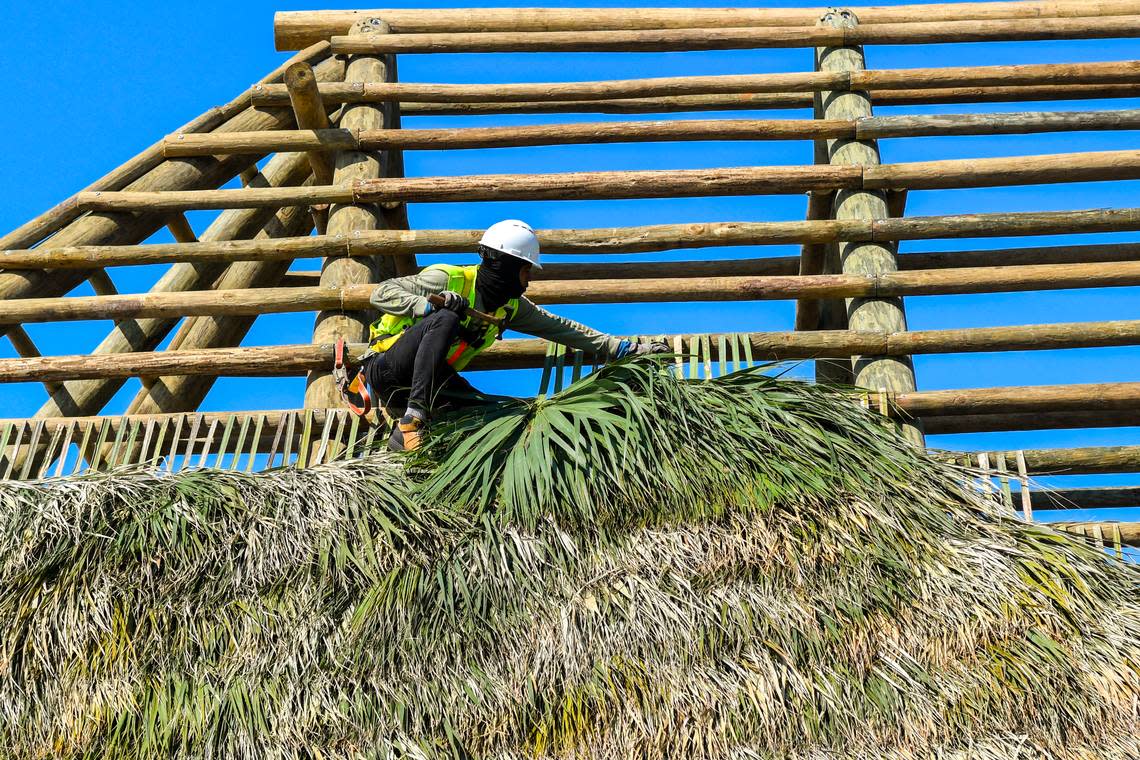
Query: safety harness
x=475 y=333
x=354 y=391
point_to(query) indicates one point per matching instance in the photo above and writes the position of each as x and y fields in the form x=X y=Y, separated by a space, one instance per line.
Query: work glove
x=452 y=301
x=629 y=348
x=652 y=347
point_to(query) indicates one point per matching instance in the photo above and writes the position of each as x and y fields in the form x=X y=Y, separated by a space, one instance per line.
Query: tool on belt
x=354 y=390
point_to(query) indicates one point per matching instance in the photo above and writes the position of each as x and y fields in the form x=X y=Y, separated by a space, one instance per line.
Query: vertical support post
x=345 y=219
x=830 y=314
x=883 y=315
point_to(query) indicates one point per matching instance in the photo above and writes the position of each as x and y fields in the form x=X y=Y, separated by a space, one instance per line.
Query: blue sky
x=94 y=83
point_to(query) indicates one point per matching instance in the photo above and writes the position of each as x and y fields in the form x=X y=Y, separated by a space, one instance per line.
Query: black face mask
x=498 y=280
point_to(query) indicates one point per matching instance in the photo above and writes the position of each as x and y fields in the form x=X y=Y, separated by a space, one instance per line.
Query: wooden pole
x=1093 y=498
x=881 y=314
x=756 y=180
x=350 y=215
x=1101 y=397
x=789 y=265
x=291 y=360
x=320 y=142
x=831 y=314
x=180 y=229
x=355 y=297
x=1091 y=460
x=310 y=114
x=996 y=423
x=293 y=29
x=741 y=38
x=1069 y=74
x=736 y=101
x=102 y=283
x=648 y=239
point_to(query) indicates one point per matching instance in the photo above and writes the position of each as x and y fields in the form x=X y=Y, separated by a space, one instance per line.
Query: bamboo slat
x=272 y=435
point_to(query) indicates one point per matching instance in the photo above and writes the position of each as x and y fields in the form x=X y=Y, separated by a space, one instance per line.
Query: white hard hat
x=513 y=238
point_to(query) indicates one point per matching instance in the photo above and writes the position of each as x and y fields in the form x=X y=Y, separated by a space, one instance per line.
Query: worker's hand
x=652 y=347
x=452 y=301
x=629 y=348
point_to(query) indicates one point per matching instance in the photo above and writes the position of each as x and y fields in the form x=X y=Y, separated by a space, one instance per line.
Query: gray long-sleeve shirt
x=407 y=296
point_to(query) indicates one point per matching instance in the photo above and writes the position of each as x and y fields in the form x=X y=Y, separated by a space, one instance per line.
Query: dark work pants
x=414 y=372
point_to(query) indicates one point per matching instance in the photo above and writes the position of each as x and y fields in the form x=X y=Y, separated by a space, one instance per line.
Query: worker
x=416 y=350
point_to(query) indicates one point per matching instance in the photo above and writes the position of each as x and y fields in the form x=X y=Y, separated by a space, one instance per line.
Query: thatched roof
x=638 y=567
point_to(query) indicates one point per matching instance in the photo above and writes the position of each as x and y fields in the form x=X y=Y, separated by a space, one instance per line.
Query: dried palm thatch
x=638 y=567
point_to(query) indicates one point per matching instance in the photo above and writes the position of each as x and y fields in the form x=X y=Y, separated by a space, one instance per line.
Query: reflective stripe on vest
x=384 y=332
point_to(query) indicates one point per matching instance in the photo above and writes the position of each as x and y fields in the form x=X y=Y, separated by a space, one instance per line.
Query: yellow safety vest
x=473 y=336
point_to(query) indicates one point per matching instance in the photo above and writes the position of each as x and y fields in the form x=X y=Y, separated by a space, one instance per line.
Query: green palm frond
x=638 y=566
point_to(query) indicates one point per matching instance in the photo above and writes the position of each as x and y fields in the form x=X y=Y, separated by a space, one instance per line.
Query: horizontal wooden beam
x=880 y=127
x=1068 y=74
x=518 y=354
x=1106 y=532
x=1004 y=422
x=757 y=180
x=776 y=101
x=1088 y=498
x=646 y=239
x=294 y=29
x=1088 y=460
x=743 y=101
x=1102 y=397
x=256 y=301
x=741 y=38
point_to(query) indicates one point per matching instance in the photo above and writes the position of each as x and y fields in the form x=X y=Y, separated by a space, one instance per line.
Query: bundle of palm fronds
x=638 y=567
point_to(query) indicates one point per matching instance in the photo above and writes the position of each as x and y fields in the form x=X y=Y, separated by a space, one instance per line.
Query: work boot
x=407 y=434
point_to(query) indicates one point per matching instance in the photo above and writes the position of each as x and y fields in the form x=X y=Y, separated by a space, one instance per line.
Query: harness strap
x=355 y=391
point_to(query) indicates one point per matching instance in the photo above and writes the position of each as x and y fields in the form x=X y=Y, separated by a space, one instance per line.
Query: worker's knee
x=444 y=319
